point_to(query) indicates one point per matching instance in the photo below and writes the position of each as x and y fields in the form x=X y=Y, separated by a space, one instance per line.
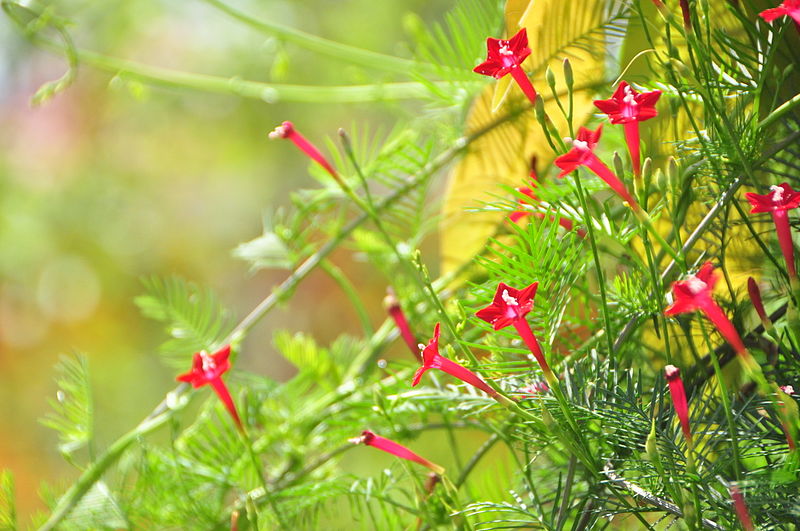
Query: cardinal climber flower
x=741 y=508
x=629 y=107
x=509 y=307
x=678 y=394
x=778 y=202
x=431 y=359
x=208 y=369
x=287 y=130
x=789 y=8
x=694 y=293
x=582 y=154
x=398 y=450
x=394 y=310
x=505 y=56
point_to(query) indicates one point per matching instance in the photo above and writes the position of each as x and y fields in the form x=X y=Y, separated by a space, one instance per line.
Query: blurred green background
x=111 y=181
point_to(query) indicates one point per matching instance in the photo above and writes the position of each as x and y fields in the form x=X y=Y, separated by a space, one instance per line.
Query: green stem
x=335 y=50
x=95 y=471
x=601 y=278
x=351 y=293
x=267 y=92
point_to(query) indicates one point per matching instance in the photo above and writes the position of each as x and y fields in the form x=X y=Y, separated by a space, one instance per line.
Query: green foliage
x=601 y=439
x=8 y=509
x=194 y=317
x=73 y=412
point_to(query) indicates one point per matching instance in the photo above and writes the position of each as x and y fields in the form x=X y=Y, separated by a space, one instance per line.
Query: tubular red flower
x=207 y=369
x=789 y=8
x=755 y=297
x=509 y=307
x=431 y=359
x=694 y=293
x=505 y=56
x=629 y=107
x=398 y=450
x=778 y=202
x=395 y=311
x=678 y=394
x=287 y=130
x=741 y=508
x=582 y=154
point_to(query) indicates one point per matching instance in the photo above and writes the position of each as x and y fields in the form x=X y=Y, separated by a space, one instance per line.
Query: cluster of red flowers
x=510 y=306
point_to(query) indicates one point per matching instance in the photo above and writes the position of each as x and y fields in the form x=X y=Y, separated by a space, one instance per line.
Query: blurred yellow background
x=111 y=181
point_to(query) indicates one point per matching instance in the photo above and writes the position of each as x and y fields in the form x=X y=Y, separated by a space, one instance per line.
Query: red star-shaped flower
x=582 y=154
x=509 y=307
x=431 y=359
x=208 y=369
x=505 y=56
x=778 y=202
x=629 y=107
x=694 y=293
x=780 y=197
x=789 y=8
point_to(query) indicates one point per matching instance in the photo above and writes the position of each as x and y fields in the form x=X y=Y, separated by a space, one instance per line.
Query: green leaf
x=8 y=511
x=265 y=252
x=97 y=510
x=73 y=412
x=194 y=317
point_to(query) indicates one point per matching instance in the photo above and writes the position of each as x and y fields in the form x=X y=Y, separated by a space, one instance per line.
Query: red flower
x=789 y=8
x=741 y=508
x=506 y=57
x=396 y=449
x=582 y=154
x=431 y=359
x=694 y=293
x=778 y=202
x=509 y=307
x=678 y=394
x=394 y=310
x=287 y=130
x=208 y=369
x=629 y=107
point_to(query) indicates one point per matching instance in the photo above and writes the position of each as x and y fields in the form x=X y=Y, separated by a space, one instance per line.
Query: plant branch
x=650 y=498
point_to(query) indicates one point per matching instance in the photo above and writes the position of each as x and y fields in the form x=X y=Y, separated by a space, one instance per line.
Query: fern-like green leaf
x=194 y=317
x=8 y=510
x=73 y=411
